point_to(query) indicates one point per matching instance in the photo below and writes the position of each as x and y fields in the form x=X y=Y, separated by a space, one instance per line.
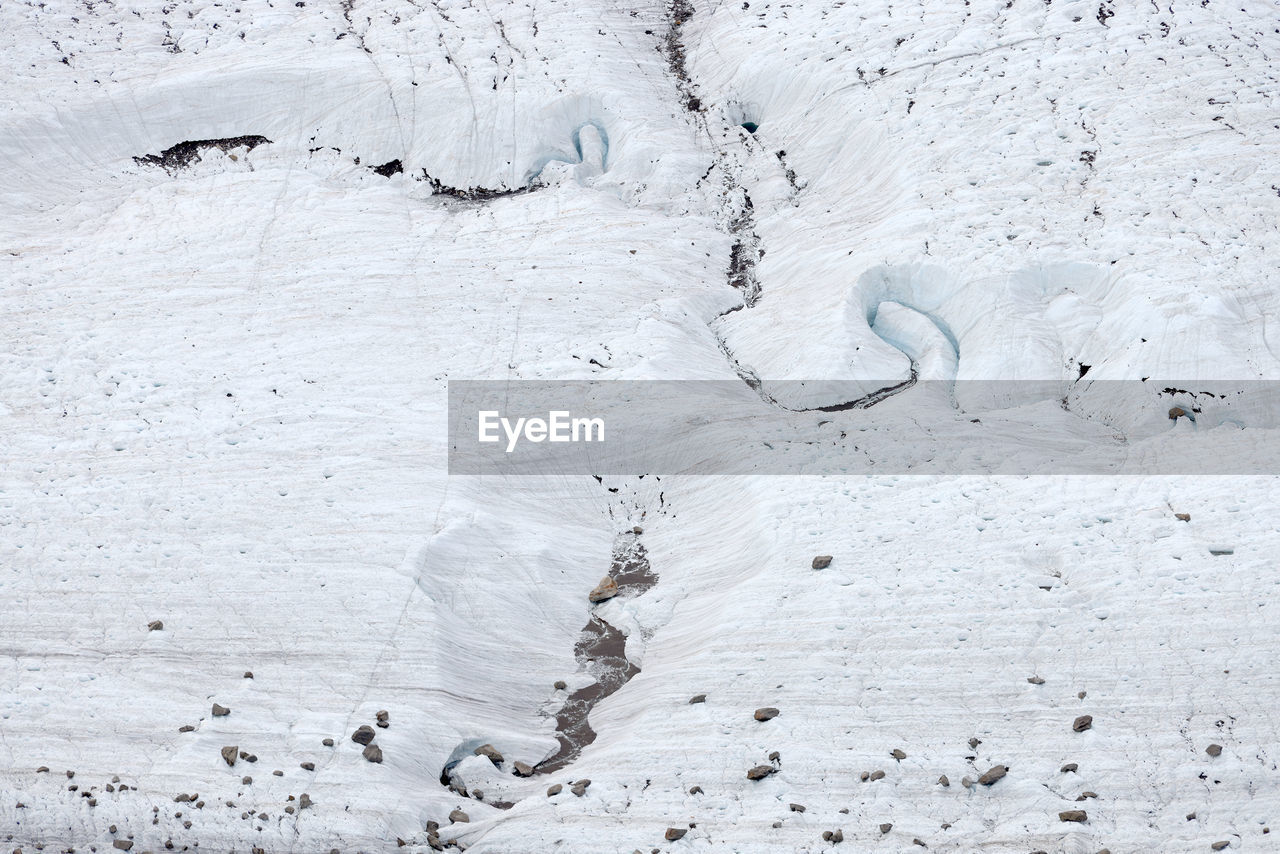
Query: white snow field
x=244 y=246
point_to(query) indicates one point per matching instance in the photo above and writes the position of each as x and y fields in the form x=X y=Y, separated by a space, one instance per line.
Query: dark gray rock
x=363 y=735
x=759 y=772
x=996 y=772
x=220 y=711
x=229 y=754
x=821 y=561
x=1082 y=723
x=1078 y=816
x=674 y=833
x=373 y=753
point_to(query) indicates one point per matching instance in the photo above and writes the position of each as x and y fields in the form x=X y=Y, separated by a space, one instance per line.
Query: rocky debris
x=1069 y=767
x=995 y=773
x=919 y=841
x=1084 y=796
x=155 y=625
x=580 y=788
x=967 y=782
x=229 y=754
x=822 y=561
x=974 y=742
x=674 y=833
x=248 y=757
x=695 y=790
x=836 y=836
x=220 y=711
x=459 y=817
x=943 y=781
x=1218 y=846
x=1182 y=517
x=560 y=685
x=1082 y=723
x=186 y=728
x=886 y=827
x=876 y=775
x=304 y=801
x=328 y=742
x=522 y=769
x=767 y=713
x=384 y=719
x=1079 y=816
x=122 y=844
x=554 y=790
x=308 y=766
x=606 y=589
x=490 y=752
x=373 y=753
x=759 y=772
x=1082 y=694
x=246 y=780
x=898 y=754
x=775 y=756
x=363 y=735
x=797 y=807
x=1035 y=680
x=697 y=698
x=1214 y=750
x=184 y=153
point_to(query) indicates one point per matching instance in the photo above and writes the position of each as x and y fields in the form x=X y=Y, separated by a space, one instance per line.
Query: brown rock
x=523 y=769
x=768 y=713
x=373 y=753
x=186 y=728
x=822 y=561
x=697 y=698
x=1214 y=750
x=967 y=782
x=490 y=752
x=1218 y=846
x=943 y=781
x=246 y=780
x=695 y=790
x=363 y=735
x=560 y=685
x=220 y=711
x=459 y=817
x=248 y=674
x=552 y=791
x=1182 y=517
x=230 y=753
x=1176 y=412
x=155 y=625
x=898 y=754
x=759 y=772
x=304 y=801
x=864 y=776
x=1082 y=723
x=328 y=742
x=580 y=788
x=122 y=844
x=606 y=589
x=886 y=827
x=674 y=833
x=993 y=774
x=876 y=775
x=1079 y=816
x=308 y=766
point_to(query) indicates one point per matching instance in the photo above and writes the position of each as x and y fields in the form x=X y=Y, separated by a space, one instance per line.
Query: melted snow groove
x=601 y=651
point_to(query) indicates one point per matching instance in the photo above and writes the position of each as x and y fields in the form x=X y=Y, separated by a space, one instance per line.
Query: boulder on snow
x=1082 y=723
x=220 y=711
x=759 y=772
x=1078 y=816
x=229 y=754
x=822 y=561
x=674 y=833
x=489 y=752
x=155 y=625
x=767 y=713
x=993 y=774
x=363 y=735
x=459 y=817
x=1214 y=750
x=522 y=769
x=606 y=589
x=373 y=753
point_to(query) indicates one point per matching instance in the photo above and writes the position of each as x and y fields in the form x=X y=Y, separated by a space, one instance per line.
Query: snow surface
x=223 y=407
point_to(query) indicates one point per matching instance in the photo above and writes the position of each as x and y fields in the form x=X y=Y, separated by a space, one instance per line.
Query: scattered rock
x=775 y=756
x=490 y=752
x=797 y=808
x=580 y=788
x=1079 y=816
x=606 y=589
x=458 y=817
x=220 y=711
x=1182 y=517
x=363 y=735
x=1084 y=796
x=384 y=718
x=308 y=766
x=993 y=774
x=246 y=780
x=822 y=561
x=277 y=773
x=1176 y=412
x=186 y=728
x=876 y=775
x=304 y=801
x=328 y=742
x=1218 y=846
x=695 y=790
x=1082 y=695
x=1082 y=723
x=864 y=776
x=560 y=685
x=230 y=753
x=898 y=754
x=974 y=742
x=943 y=781
x=1214 y=750
x=122 y=844
x=155 y=625
x=697 y=698
x=248 y=674
x=1070 y=766
x=373 y=753
x=522 y=769
x=760 y=772
x=768 y=713
x=43 y=769
x=1191 y=816
x=1035 y=680
x=886 y=827
x=552 y=791
x=674 y=833
x=967 y=782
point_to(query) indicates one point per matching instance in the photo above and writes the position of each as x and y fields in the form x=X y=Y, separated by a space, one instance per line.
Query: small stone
x=606 y=589
x=246 y=780
x=155 y=625
x=1218 y=846
x=373 y=753
x=697 y=698
x=248 y=757
x=1082 y=695
x=383 y=715
x=837 y=836
x=974 y=742
x=1214 y=750
x=1176 y=412
x=1084 y=796
x=229 y=754
x=1035 y=680
x=864 y=776
x=1182 y=517
x=995 y=773
x=363 y=735
x=554 y=790
x=637 y=530
x=877 y=775
x=886 y=827
x=1082 y=723
x=797 y=807
x=71 y=775
x=220 y=711
x=775 y=756
x=674 y=833
x=289 y=810
x=560 y=685
x=822 y=561
x=186 y=728
x=489 y=752
x=1191 y=816
x=328 y=742
x=522 y=769
x=920 y=842
x=122 y=844
x=695 y=790
x=967 y=782
x=580 y=788
x=459 y=817
x=943 y=781
x=43 y=769
x=759 y=772
x=768 y=713
x=308 y=766
x=248 y=674
x=1069 y=767
x=898 y=754
x=1079 y=816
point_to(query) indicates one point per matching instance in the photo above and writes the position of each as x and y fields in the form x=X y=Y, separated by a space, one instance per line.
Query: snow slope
x=223 y=406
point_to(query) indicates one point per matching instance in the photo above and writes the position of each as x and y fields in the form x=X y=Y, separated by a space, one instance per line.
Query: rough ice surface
x=244 y=246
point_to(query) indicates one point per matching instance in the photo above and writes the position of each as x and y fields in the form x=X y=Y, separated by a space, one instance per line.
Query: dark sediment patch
x=184 y=154
x=475 y=194
x=601 y=651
